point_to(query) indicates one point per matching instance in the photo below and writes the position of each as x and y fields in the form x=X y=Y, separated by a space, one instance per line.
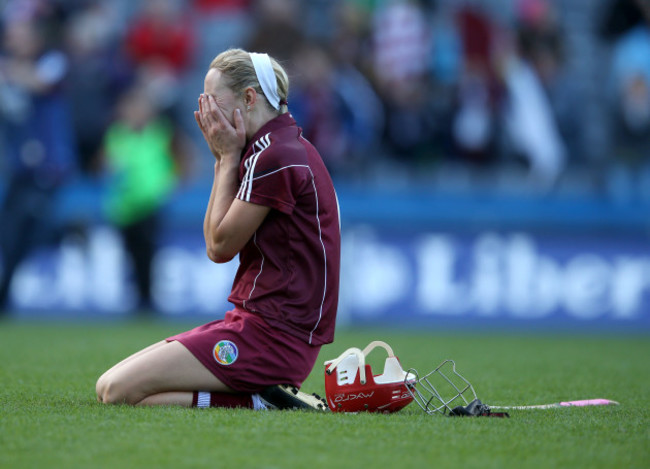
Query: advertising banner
x=391 y=278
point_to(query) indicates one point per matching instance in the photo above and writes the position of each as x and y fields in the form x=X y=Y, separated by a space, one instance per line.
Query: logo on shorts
x=225 y=352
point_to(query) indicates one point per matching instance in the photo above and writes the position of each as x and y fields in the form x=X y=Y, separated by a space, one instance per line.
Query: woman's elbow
x=219 y=256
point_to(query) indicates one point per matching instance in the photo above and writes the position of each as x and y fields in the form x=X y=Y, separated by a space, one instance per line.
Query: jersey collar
x=283 y=120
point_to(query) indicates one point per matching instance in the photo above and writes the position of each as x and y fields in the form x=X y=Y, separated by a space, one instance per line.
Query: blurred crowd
x=376 y=84
x=384 y=89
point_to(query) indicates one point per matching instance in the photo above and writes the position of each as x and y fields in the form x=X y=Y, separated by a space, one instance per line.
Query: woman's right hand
x=224 y=140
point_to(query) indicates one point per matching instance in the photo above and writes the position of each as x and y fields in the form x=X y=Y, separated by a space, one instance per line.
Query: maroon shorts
x=247 y=355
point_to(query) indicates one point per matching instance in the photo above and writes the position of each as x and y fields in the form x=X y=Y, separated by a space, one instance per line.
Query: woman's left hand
x=224 y=140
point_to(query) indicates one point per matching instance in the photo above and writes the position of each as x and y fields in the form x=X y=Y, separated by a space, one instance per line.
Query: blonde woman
x=273 y=203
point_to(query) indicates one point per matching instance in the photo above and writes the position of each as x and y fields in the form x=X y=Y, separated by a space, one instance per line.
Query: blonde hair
x=236 y=65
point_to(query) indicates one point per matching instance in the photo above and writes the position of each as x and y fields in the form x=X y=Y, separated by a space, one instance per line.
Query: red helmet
x=350 y=385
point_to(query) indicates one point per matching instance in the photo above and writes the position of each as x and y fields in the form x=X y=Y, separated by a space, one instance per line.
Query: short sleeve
x=273 y=180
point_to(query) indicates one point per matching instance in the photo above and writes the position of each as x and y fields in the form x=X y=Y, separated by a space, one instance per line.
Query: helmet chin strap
x=361 y=359
x=346 y=372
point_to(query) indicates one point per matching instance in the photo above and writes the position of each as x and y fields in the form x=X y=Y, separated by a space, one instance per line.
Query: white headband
x=266 y=77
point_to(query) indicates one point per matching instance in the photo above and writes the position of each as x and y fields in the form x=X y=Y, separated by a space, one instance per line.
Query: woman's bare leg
x=166 y=369
x=169 y=398
x=135 y=355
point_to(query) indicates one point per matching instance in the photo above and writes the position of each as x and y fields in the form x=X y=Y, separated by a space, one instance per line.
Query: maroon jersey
x=289 y=270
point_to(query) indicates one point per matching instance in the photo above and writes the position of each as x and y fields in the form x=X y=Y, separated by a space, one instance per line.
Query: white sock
x=203 y=399
x=258 y=404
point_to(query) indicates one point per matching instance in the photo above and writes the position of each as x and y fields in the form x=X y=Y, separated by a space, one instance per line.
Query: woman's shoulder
x=283 y=145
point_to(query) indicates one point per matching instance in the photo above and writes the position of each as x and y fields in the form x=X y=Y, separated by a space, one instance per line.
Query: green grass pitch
x=49 y=416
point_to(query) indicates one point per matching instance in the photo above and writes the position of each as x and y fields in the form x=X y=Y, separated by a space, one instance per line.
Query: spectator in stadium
x=38 y=142
x=160 y=42
x=160 y=33
x=631 y=95
x=144 y=155
x=277 y=28
x=349 y=45
x=220 y=24
x=530 y=120
x=477 y=95
x=401 y=49
x=342 y=115
x=98 y=73
x=317 y=104
x=273 y=203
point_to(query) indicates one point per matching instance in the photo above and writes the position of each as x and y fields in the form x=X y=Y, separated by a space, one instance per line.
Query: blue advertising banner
x=513 y=277
x=389 y=277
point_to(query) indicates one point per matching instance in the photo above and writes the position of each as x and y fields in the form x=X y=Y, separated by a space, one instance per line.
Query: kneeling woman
x=273 y=203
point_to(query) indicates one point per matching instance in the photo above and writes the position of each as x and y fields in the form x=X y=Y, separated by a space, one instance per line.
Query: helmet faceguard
x=442 y=390
x=350 y=385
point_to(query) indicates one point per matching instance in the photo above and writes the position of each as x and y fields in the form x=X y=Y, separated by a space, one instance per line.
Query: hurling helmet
x=350 y=385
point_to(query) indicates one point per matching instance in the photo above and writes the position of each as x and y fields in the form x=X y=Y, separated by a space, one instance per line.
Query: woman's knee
x=113 y=390
x=99 y=389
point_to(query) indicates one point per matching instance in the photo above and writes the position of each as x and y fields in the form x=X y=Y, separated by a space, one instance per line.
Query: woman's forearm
x=208 y=210
x=224 y=189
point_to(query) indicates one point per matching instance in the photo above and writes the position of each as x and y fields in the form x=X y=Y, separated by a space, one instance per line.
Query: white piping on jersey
x=259 y=273
x=244 y=192
x=338 y=208
x=284 y=167
x=320 y=238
